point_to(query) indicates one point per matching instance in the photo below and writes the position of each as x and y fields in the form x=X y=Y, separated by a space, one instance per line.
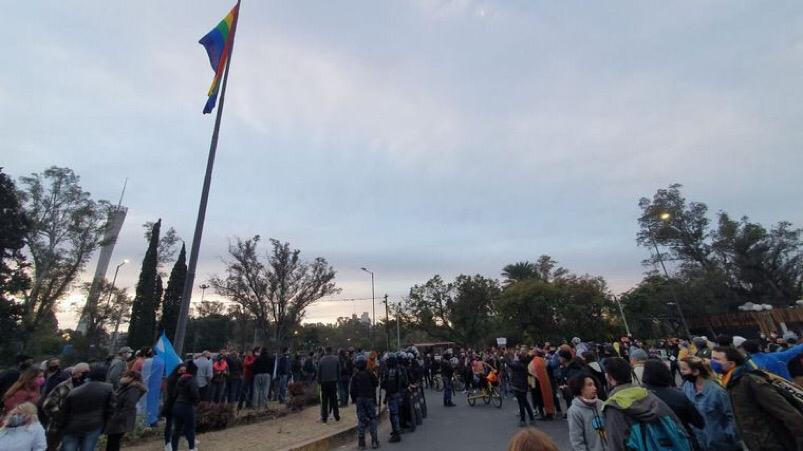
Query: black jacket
x=518 y=376
x=125 y=410
x=395 y=380
x=446 y=369
x=263 y=364
x=187 y=390
x=363 y=385
x=88 y=407
x=235 y=367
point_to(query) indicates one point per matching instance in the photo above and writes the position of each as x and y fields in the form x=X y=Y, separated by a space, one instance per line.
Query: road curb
x=328 y=442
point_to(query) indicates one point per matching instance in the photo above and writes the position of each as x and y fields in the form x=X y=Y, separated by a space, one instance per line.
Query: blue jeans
x=366 y=415
x=261 y=390
x=394 y=403
x=81 y=442
x=343 y=393
x=281 y=391
x=184 y=424
x=447 y=390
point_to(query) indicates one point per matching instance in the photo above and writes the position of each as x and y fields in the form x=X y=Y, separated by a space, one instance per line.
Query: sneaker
x=168 y=447
x=360 y=442
x=394 y=438
x=374 y=443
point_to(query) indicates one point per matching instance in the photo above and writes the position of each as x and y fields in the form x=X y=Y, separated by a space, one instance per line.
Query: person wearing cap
x=118 y=366
x=579 y=346
x=51 y=406
x=394 y=383
x=702 y=349
x=363 y=396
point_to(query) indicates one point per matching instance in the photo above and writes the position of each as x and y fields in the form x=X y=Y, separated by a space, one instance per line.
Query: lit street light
x=203 y=288
x=373 y=306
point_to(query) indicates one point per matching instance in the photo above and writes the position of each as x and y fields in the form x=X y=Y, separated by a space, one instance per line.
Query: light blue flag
x=157 y=371
x=164 y=349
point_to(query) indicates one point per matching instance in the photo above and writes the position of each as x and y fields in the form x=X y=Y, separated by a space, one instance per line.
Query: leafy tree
x=171 y=304
x=278 y=291
x=210 y=328
x=721 y=268
x=461 y=311
x=516 y=272
x=66 y=226
x=13 y=277
x=142 y=327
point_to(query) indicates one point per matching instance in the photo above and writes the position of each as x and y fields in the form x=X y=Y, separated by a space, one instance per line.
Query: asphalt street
x=482 y=427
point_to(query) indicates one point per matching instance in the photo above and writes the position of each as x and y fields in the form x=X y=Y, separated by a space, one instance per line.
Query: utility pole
x=669 y=281
x=622 y=312
x=398 y=320
x=387 y=326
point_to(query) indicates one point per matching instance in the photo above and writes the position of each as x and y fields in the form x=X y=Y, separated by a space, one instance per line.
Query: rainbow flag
x=218 y=46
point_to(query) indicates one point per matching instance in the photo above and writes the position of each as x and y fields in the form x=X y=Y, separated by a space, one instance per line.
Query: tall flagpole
x=186 y=295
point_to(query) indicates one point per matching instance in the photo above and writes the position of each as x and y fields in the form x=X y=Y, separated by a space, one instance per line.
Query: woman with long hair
x=26 y=389
x=531 y=439
x=125 y=410
x=719 y=432
x=21 y=430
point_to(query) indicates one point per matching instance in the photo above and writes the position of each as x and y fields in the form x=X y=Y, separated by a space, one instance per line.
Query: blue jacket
x=769 y=362
x=713 y=403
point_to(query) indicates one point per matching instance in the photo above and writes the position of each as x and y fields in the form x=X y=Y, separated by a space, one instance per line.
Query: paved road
x=466 y=428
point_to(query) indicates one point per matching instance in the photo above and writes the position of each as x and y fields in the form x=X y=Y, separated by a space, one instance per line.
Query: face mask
x=717 y=367
x=690 y=377
x=40 y=381
x=15 y=420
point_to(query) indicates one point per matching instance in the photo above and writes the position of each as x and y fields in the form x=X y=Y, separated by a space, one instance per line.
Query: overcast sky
x=414 y=138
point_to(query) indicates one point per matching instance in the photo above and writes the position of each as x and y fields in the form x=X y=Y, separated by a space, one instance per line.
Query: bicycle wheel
x=486 y=396
x=496 y=397
x=471 y=400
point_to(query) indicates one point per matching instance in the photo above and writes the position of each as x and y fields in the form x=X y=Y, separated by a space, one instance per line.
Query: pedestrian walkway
x=278 y=434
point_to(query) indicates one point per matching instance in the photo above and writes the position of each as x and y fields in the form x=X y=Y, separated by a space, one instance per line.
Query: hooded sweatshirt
x=583 y=435
x=628 y=404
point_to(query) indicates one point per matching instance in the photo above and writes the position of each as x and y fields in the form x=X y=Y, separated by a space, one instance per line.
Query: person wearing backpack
x=636 y=419
x=765 y=418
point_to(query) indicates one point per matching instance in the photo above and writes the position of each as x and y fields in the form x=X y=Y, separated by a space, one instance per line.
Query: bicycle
x=489 y=393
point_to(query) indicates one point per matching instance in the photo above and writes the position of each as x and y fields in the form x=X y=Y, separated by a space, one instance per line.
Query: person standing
x=344 y=378
x=541 y=386
x=124 y=415
x=87 y=409
x=394 y=383
x=54 y=375
x=363 y=396
x=248 y=379
x=447 y=373
x=658 y=379
x=328 y=374
x=220 y=372
x=718 y=433
x=629 y=405
x=518 y=382
x=26 y=389
x=11 y=375
x=764 y=418
x=235 y=383
x=187 y=398
x=308 y=368
x=52 y=404
x=21 y=430
x=282 y=375
x=118 y=366
x=586 y=425
x=170 y=399
x=263 y=372
x=204 y=374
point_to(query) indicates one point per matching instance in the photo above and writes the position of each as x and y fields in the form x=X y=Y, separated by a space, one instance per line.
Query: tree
x=167 y=243
x=210 y=328
x=13 y=277
x=171 y=304
x=461 y=311
x=66 y=227
x=278 y=291
x=721 y=268
x=516 y=272
x=142 y=327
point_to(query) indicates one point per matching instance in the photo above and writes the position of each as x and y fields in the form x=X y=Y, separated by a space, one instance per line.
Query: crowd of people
x=729 y=393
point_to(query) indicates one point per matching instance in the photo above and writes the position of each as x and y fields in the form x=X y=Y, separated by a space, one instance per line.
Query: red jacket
x=20 y=396
x=248 y=363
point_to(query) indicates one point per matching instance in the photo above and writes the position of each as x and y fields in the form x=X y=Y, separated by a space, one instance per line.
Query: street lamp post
x=109 y=302
x=622 y=312
x=665 y=217
x=373 y=305
x=203 y=288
